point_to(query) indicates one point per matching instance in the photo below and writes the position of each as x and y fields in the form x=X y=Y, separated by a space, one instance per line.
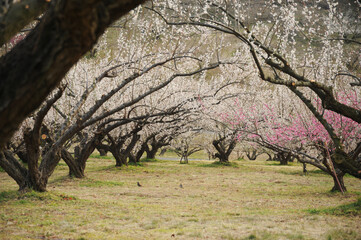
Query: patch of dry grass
x=254 y=200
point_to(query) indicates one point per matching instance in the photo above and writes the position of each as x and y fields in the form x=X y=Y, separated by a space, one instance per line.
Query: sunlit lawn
x=249 y=200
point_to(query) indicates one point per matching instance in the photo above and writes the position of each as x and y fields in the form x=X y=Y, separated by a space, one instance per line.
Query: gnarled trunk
x=223 y=152
x=35 y=178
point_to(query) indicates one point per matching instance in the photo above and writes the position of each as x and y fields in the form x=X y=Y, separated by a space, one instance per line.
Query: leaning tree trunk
x=14 y=169
x=135 y=158
x=48 y=52
x=21 y=153
x=75 y=169
x=339 y=185
x=82 y=153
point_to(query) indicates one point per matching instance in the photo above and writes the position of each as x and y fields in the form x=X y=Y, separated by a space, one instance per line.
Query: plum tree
x=310 y=49
x=37 y=64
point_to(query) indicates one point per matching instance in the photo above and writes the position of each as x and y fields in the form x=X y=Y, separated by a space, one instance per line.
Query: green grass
x=254 y=200
x=97 y=156
x=198 y=155
x=217 y=164
x=149 y=160
x=19 y=198
x=352 y=209
x=96 y=183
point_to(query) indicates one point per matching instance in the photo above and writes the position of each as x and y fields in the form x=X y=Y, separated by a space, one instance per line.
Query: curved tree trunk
x=21 y=153
x=269 y=156
x=252 y=155
x=135 y=158
x=14 y=169
x=75 y=169
x=339 y=185
x=35 y=66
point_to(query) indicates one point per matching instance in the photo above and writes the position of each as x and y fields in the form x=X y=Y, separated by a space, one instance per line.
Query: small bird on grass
x=139 y=184
x=180 y=185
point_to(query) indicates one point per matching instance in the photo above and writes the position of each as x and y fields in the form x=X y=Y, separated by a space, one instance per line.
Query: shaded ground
x=254 y=200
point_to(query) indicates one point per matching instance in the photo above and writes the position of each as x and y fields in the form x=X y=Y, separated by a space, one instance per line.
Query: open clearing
x=249 y=200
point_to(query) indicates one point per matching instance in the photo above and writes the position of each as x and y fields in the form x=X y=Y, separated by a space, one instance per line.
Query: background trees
x=312 y=58
x=106 y=99
x=214 y=68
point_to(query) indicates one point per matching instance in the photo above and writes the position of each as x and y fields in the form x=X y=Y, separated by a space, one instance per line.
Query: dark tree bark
x=35 y=176
x=223 y=148
x=102 y=151
x=304 y=168
x=15 y=170
x=17 y=16
x=22 y=154
x=117 y=148
x=77 y=163
x=151 y=152
x=284 y=157
x=136 y=156
x=339 y=185
x=184 y=159
x=82 y=152
x=252 y=155
x=35 y=66
x=162 y=151
x=128 y=150
x=156 y=144
x=75 y=169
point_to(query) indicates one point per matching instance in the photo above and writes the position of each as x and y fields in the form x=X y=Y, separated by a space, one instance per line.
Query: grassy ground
x=247 y=200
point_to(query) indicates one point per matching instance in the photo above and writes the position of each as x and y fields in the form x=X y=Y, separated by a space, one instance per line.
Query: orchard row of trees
x=285 y=82
x=312 y=50
x=132 y=94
